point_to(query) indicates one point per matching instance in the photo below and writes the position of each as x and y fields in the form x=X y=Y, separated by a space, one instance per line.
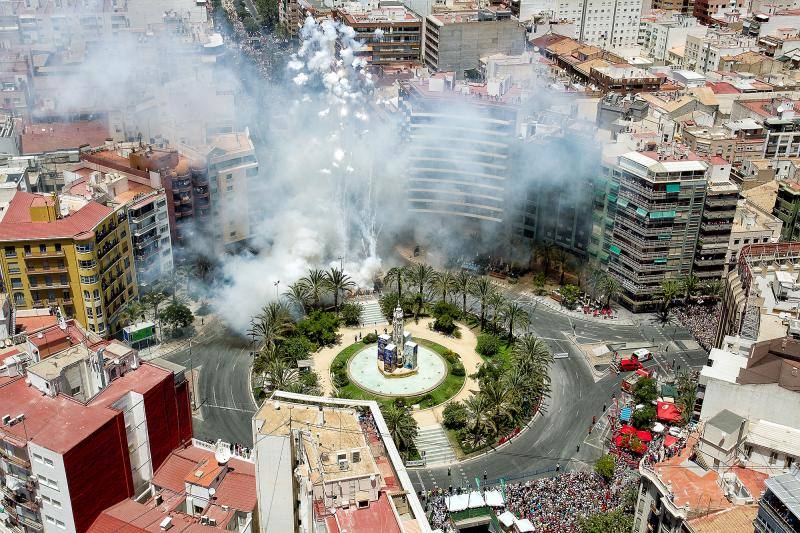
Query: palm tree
x=539 y=280
x=545 y=251
x=402 y=426
x=514 y=315
x=271 y=325
x=690 y=284
x=594 y=279
x=299 y=295
x=443 y=283
x=502 y=401
x=131 y=312
x=669 y=290
x=421 y=276
x=610 y=288
x=712 y=288
x=154 y=299
x=532 y=356
x=560 y=255
x=338 y=282
x=316 y=281
x=396 y=276
x=478 y=416
x=278 y=375
x=495 y=304
x=482 y=289
x=461 y=284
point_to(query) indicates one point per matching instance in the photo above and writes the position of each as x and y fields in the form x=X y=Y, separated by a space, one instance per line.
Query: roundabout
x=366 y=373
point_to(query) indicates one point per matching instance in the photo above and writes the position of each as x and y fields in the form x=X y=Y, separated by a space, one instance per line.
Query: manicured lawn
x=446 y=389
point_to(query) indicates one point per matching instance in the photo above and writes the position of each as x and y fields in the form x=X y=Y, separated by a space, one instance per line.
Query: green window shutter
x=622 y=202
x=641 y=211
x=660 y=261
x=612 y=197
x=614 y=249
x=673 y=187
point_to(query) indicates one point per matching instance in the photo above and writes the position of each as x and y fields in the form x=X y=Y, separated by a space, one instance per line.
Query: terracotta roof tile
x=17 y=225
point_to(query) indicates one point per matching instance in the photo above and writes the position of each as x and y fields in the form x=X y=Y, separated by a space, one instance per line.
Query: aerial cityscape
x=402 y=266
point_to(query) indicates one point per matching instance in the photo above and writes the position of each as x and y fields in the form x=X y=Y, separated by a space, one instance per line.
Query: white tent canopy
x=524 y=525
x=658 y=427
x=476 y=500
x=493 y=498
x=456 y=502
x=507 y=519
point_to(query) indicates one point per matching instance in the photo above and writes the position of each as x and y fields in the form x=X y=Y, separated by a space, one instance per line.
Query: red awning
x=627 y=430
x=668 y=412
x=642 y=372
x=644 y=436
x=669 y=440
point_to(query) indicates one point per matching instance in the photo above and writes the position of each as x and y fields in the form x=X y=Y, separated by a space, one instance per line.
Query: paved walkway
x=465 y=347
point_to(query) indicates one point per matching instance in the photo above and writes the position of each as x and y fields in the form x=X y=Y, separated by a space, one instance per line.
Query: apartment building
x=455 y=41
x=662 y=33
x=391 y=33
x=716 y=222
x=704 y=53
x=778 y=508
x=609 y=24
x=654 y=206
x=321 y=462
x=147 y=211
x=78 y=259
x=705 y=10
x=783 y=133
x=751 y=225
x=786 y=209
x=84 y=430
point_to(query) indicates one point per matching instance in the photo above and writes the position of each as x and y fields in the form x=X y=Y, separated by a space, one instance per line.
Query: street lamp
x=276 y=288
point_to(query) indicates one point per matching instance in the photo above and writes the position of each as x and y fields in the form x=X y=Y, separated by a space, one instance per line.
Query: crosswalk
x=371 y=313
x=433 y=441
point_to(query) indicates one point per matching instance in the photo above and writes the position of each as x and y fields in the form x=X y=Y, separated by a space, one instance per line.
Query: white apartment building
x=751 y=225
x=668 y=31
x=703 y=53
x=609 y=23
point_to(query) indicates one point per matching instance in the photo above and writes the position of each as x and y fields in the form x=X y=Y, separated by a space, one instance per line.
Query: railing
x=45 y=270
x=42 y=286
x=14 y=459
x=652 y=476
x=45 y=254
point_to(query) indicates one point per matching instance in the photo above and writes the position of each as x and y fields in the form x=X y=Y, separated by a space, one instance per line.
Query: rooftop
x=17 y=225
x=51 y=137
x=774 y=436
x=726 y=365
x=699 y=489
x=787 y=488
x=739 y=518
x=727 y=421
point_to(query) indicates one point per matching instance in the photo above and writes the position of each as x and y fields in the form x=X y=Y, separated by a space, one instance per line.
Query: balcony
x=44 y=255
x=140 y=230
x=46 y=269
x=44 y=286
x=19 y=461
x=709 y=226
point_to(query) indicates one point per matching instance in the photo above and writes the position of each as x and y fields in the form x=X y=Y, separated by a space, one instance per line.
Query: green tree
x=532 y=358
x=388 y=303
x=514 y=315
x=319 y=327
x=604 y=467
x=396 y=276
x=402 y=426
x=501 y=400
x=615 y=521
x=278 y=375
x=338 y=282
x=462 y=283
x=177 y=316
x=545 y=251
x=689 y=285
x=299 y=295
x=669 y=290
x=610 y=288
x=454 y=415
x=488 y=344
x=569 y=296
x=295 y=348
x=594 y=280
x=686 y=386
x=132 y=312
x=445 y=324
x=645 y=390
x=351 y=313
x=444 y=283
x=644 y=418
x=482 y=289
x=271 y=325
x=712 y=288
x=479 y=419
x=539 y=280
x=317 y=283
x=154 y=300
x=421 y=277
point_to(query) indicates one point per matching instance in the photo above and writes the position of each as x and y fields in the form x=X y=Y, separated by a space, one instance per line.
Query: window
x=789 y=462
x=98 y=311
x=42 y=248
x=48 y=462
x=19 y=298
x=89 y=279
x=773 y=457
x=127 y=262
x=89 y=312
x=50 y=519
x=11 y=251
x=229 y=188
x=62 y=279
x=16 y=283
x=735 y=241
x=37 y=457
x=61 y=524
x=91 y=263
x=84 y=248
x=13 y=268
x=58 y=247
x=101 y=327
x=86 y=295
x=96 y=293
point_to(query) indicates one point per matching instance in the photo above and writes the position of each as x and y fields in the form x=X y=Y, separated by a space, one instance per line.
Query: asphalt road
x=224 y=403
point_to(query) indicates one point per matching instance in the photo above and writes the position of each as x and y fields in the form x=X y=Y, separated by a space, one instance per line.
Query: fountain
x=397 y=354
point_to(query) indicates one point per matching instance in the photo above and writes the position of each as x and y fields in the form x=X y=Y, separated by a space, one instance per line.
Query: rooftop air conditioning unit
x=343 y=464
x=166 y=524
x=204 y=520
x=212 y=522
x=6 y=419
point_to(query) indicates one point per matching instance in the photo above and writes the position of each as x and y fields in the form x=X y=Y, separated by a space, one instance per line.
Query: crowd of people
x=701 y=320
x=259 y=47
x=552 y=504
